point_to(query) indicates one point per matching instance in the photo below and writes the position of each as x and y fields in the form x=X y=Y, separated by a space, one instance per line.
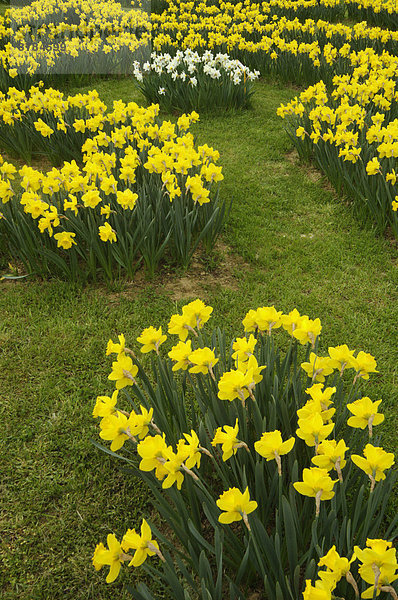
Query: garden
x=199 y=291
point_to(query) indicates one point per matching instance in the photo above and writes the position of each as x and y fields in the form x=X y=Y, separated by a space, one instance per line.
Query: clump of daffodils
x=351 y=133
x=378 y=567
x=259 y=452
x=140 y=183
x=70 y=37
x=116 y=553
x=188 y=80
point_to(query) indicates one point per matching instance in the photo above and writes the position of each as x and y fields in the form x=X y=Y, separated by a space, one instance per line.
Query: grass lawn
x=288 y=242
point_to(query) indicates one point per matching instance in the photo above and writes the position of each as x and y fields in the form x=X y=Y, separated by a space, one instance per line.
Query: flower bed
x=263 y=464
x=143 y=189
x=352 y=134
x=188 y=81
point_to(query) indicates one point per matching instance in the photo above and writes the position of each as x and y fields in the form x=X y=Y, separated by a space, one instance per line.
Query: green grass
x=288 y=242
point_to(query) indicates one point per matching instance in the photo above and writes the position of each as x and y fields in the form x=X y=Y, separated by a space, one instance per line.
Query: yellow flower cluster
x=351 y=124
x=60 y=113
x=372 y=8
x=117 y=552
x=352 y=120
x=239 y=444
x=358 y=34
x=339 y=118
x=378 y=568
x=376 y=5
x=254 y=31
x=315 y=423
x=126 y=145
x=51 y=36
x=253 y=28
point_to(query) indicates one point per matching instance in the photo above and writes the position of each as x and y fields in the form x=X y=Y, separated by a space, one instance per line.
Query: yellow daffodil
x=263 y=319
x=243 y=348
x=272 y=447
x=341 y=357
x=106 y=210
x=203 y=361
x=173 y=467
x=321 y=394
x=43 y=128
x=127 y=199
x=114 y=428
x=318 y=367
x=180 y=354
x=365 y=414
x=237 y=506
x=91 y=198
x=143 y=544
x=330 y=455
x=180 y=325
x=316 y=484
x=117 y=348
x=234 y=384
x=364 y=364
x=113 y=556
x=65 y=239
x=154 y=452
x=151 y=339
x=228 y=440
x=291 y=321
x=307 y=331
x=197 y=313
x=253 y=371
x=338 y=565
x=105 y=405
x=138 y=424
x=373 y=166
x=191 y=449
x=374 y=462
x=315 y=593
x=379 y=566
x=123 y=371
x=312 y=407
x=313 y=430
x=106 y=233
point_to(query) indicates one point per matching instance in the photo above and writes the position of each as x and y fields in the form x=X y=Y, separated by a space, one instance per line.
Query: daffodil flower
x=330 y=455
x=316 y=484
x=123 y=371
x=374 y=462
x=113 y=556
x=365 y=414
x=143 y=545
x=203 y=360
x=313 y=430
x=312 y=592
x=228 y=440
x=180 y=353
x=379 y=566
x=151 y=339
x=272 y=447
x=105 y=405
x=237 y=506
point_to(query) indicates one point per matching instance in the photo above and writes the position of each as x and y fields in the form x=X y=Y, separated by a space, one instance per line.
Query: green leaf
x=242 y=570
x=310 y=569
x=110 y=452
x=205 y=572
x=291 y=528
x=200 y=538
x=9 y=277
